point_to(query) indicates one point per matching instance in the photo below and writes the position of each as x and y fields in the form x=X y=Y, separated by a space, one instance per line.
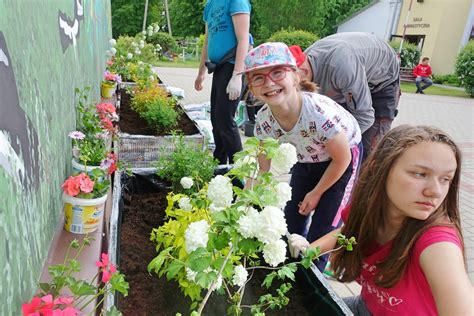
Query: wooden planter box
x=314 y=294
x=142 y=151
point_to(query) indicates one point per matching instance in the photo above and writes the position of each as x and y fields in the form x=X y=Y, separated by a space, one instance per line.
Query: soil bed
x=130 y=122
x=144 y=209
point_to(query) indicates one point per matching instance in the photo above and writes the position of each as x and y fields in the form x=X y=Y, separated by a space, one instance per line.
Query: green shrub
x=153 y=104
x=294 y=37
x=465 y=68
x=186 y=161
x=450 y=79
x=166 y=42
x=410 y=55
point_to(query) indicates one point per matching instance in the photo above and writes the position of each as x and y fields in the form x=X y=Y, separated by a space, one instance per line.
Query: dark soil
x=131 y=123
x=151 y=295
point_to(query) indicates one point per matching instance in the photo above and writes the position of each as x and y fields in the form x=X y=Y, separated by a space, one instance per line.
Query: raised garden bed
x=139 y=145
x=139 y=205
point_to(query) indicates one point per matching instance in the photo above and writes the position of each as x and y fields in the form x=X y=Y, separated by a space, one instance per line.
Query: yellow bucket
x=107 y=91
x=82 y=216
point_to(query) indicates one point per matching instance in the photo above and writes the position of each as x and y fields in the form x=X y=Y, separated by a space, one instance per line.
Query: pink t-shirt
x=412 y=294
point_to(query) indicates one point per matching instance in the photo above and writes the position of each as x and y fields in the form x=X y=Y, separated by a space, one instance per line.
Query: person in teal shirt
x=227 y=27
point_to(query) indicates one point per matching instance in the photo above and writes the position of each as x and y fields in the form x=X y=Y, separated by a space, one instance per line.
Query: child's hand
x=309 y=203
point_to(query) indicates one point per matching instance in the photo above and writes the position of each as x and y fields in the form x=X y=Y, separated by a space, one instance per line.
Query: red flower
x=71 y=186
x=38 y=306
x=107 y=268
x=112 y=168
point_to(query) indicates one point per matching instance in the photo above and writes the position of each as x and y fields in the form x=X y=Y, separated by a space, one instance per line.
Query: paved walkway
x=453 y=115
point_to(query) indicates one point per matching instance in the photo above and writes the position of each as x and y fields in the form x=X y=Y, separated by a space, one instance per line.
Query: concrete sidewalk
x=453 y=115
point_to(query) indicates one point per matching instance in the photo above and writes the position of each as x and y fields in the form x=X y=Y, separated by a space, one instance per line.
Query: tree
x=186 y=17
x=127 y=16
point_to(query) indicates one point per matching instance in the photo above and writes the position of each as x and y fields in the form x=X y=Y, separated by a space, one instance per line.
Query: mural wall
x=47 y=49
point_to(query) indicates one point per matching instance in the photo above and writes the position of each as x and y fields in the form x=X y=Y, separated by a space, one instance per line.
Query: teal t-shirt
x=220 y=29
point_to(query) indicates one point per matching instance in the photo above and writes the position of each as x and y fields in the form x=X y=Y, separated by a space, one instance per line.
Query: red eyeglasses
x=274 y=75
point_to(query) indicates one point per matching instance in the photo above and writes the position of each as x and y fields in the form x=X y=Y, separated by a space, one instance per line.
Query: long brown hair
x=370 y=201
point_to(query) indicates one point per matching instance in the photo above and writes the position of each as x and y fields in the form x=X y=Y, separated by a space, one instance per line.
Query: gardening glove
x=234 y=87
x=297 y=243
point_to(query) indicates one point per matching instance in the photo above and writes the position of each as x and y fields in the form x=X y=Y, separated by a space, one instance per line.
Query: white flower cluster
x=240 y=275
x=112 y=51
x=285 y=158
x=185 y=204
x=196 y=235
x=220 y=191
x=152 y=29
x=267 y=226
x=275 y=252
x=186 y=182
x=283 y=193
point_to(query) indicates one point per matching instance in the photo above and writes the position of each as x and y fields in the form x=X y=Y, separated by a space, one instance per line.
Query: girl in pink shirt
x=409 y=256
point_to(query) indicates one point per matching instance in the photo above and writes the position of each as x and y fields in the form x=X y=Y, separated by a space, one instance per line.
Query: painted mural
x=47 y=49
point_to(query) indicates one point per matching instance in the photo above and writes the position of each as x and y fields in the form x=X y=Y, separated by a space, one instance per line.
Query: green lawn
x=190 y=63
x=434 y=90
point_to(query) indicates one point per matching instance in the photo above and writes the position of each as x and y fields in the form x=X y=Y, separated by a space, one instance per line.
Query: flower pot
x=107 y=91
x=82 y=216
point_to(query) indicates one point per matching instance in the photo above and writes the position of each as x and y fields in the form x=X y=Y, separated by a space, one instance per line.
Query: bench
x=406 y=74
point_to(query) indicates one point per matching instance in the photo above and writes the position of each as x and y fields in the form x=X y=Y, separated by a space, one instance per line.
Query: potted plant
x=109 y=84
x=84 y=197
x=67 y=294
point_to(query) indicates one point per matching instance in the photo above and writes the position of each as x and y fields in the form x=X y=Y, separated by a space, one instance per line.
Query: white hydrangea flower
x=113 y=51
x=219 y=282
x=142 y=44
x=285 y=158
x=283 y=193
x=271 y=224
x=248 y=225
x=112 y=42
x=220 y=191
x=150 y=32
x=240 y=275
x=138 y=51
x=158 y=47
x=213 y=208
x=134 y=45
x=196 y=235
x=185 y=204
x=186 y=182
x=152 y=78
x=143 y=33
x=156 y=28
x=274 y=253
x=140 y=63
x=129 y=56
x=191 y=275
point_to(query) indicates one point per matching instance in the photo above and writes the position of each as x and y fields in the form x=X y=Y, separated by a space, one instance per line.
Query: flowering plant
x=87 y=187
x=52 y=300
x=216 y=237
x=111 y=79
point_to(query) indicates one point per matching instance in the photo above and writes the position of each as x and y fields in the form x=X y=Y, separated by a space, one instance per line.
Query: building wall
x=376 y=19
x=443 y=23
x=47 y=49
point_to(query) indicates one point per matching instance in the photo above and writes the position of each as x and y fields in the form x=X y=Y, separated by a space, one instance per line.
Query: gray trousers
x=357 y=305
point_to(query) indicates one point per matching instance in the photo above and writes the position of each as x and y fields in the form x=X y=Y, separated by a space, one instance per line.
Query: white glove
x=297 y=243
x=234 y=87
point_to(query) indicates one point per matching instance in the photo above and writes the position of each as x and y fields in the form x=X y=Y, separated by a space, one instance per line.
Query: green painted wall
x=39 y=68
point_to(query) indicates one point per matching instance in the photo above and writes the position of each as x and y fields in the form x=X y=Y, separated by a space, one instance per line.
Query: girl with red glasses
x=325 y=135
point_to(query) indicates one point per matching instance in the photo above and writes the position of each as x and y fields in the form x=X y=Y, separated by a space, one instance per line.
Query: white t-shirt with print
x=320 y=120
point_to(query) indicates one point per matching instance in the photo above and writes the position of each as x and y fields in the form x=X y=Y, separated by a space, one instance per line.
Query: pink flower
x=38 y=306
x=107 y=124
x=109 y=63
x=77 y=135
x=86 y=184
x=104 y=108
x=107 y=268
x=71 y=186
x=112 y=168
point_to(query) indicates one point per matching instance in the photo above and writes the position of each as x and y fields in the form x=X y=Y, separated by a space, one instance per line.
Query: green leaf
x=218 y=241
x=118 y=283
x=45 y=287
x=204 y=279
x=199 y=259
x=248 y=245
x=74 y=265
x=113 y=311
x=267 y=282
x=286 y=272
x=174 y=268
x=81 y=288
x=158 y=261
